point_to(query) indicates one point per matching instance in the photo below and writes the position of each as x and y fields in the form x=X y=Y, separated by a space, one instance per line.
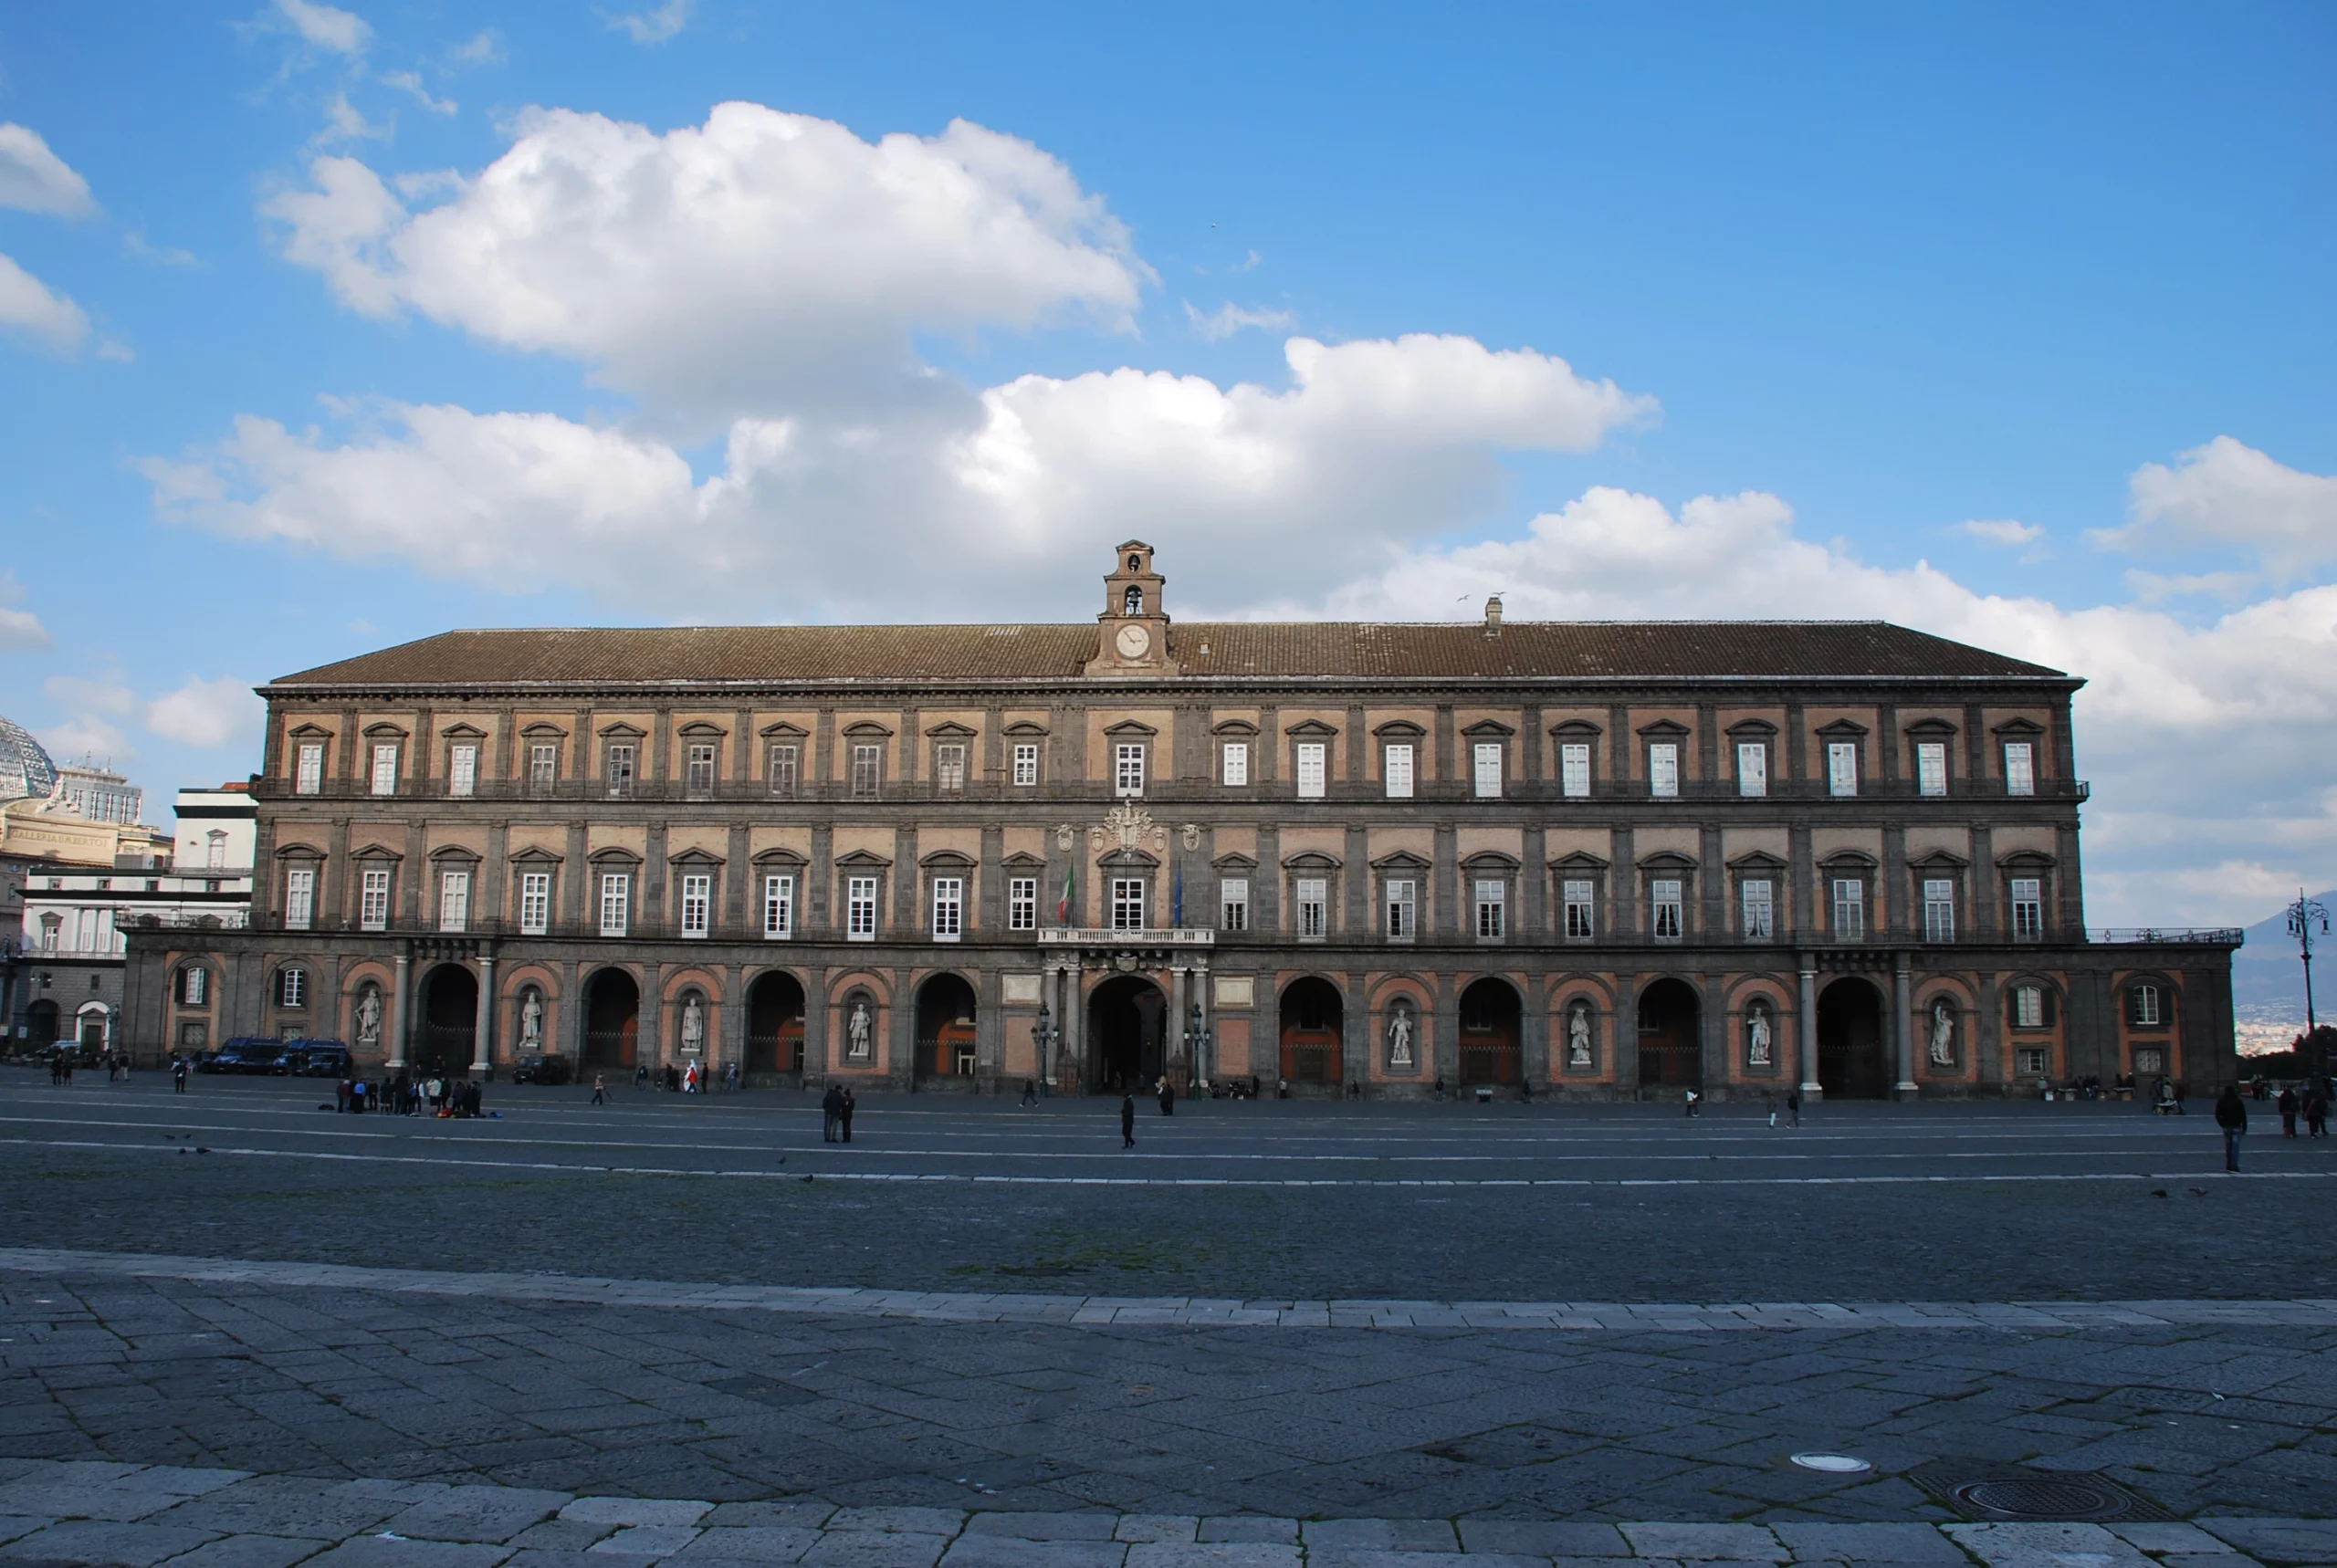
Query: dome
x=24 y=768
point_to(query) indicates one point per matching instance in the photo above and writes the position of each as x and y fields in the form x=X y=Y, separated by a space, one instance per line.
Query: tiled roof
x=1530 y=650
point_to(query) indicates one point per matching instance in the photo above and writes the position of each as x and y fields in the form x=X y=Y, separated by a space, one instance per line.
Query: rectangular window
x=616 y=903
x=292 y=986
x=1234 y=903
x=1310 y=769
x=699 y=778
x=1581 y=923
x=1760 y=911
x=1663 y=897
x=2028 y=1007
x=1023 y=904
x=620 y=761
x=1396 y=767
x=1931 y=767
x=374 y=900
x=1234 y=763
x=949 y=908
x=2020 y=767
x=385 y=768
x=778 y=907
x=543 y=765
x=535 y=903
x=1751 y=768
x=698 y=903
x=1492 y=898
x=2146 y=1007
x=1314 y=906
x=454 y=900
x=867 y=771
x=1403 y=911
x=1663 y=770
x=2027 y=907
x=462 y=770
x=1026 y=764
x=1574 y=769
x=193 y=985
x=1849 y=909
x=300 y=898
x=1127 y=768
x=1127 y=903
x=1939 y=909
x=1486 y=758
x=950 y=768
x=860 y=908
x=1842 y=767
x=309 y=778
x=2033 y=1061
x=781 y=774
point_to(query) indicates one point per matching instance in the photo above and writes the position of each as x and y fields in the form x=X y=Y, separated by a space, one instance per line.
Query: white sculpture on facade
x=1757 y=1036
x=531 y=1021
x=369 y=1018
x=693 y=1026
x=856 y=1030
x=1578 y=1035
x=1399 y=1037
x=1943 y=1051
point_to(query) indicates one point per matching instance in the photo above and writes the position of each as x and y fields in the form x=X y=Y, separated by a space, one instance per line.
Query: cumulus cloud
x=409 y=82
x=2007 y=531
x=222 y=712
x=33 y=313
x=87 y=736
x=18 y=628
x=2227 y=493
x=35 y=180
x=344 y=122
x=74 y=692
x=484 y=48
x=327 y=27
x=656 y=25
x=1228 y=318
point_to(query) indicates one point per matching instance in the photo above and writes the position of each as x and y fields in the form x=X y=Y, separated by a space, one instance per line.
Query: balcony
x=2170 y=935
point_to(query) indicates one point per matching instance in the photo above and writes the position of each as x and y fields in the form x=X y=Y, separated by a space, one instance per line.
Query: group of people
x=408 y=1096
x=836 y=1115
x=2312 y=1104
x=690 y=1079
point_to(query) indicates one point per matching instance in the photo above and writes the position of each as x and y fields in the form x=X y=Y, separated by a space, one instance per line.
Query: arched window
x=292 y=986
x=2032 y=1005
x=215 y=850
x=1133 y=602
x=195 y=985
x=2149 y=1006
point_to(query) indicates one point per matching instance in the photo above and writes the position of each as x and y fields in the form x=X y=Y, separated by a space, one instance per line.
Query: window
x=2028 y=908
x=779 y=906
x=1664 y=898
x=454 y=900
x=1396 y=767
x=1492 y=896
x=2028 y=1007
x=2149 y=1060
x=1132 y=602
x=1663 y=770
x=949 y=768
x=620 y=761
x=215 y=850
x=1849 y=909
x=949 y=908
x=867 y=771
x=462 y=769
x=535 y=903
x=1313 y=894
x=292 y=986
x=1758 y=899
x=2020 y=767
x=2147 y=1008
x=1127 y=768
x=1310 y=769
x=1487 y=774
x=616 y=903
x=779 y=775
x=1234 y=903
x=1403 y=910
x=1574 y=769
x=1234 y=762
x=1023 y=904
x=373 y=900
x=1127 y=903
x=1842 y=767
x=49 y=927
x=1576 y=896
x=860 y=908
x=385 y=768
x=2033 y=1060
x=300 y=898
x=1752 y=766
x=698 y=903
x=195 y=985
x=543 y=765
x=698 y=763
x=1939 y=909
x=1026 y=764
x=309 y=776
x=1931 y=767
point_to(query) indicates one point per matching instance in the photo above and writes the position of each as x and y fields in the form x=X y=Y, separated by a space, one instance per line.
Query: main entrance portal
x=1128 y=1046
x=1852 y=1062
x=449 y=1021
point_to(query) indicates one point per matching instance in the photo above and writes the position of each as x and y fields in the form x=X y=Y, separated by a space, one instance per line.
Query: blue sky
x=2011 y=322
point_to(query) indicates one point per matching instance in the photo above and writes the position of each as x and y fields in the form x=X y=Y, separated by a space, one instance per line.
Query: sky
x=323 y=328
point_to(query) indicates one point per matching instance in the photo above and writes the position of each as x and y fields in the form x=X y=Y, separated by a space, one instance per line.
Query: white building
x=97 y=793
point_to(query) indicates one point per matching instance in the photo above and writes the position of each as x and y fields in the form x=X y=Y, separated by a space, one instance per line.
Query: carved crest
x=1128 y=826
x=1192 y=833
x=1065 y=836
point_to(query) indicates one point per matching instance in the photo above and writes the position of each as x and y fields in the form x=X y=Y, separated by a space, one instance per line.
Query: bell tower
x=1134 y=627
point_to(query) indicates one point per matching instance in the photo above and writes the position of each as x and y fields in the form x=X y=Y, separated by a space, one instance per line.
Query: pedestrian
x=1030 y=1094
x=1793 y=1106
x=2232 y=1117
x=1439 y=1089
x=730 y=1078
x=178 y=1075
x=2316 y=1112
x=1769 y=1099
x=600 y=1090
x=1128 y=1120
x=830 y=1114
x=641 y=1076
x=1691 y=1102
x=341 y=1093
x=1167 y=1098
x=843 y=1116
x=2288 y=1104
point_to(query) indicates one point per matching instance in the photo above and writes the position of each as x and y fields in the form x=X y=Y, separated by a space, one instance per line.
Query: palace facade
x=1599 y=860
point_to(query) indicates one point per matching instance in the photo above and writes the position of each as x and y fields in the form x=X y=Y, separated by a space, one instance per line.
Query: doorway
x=449 y=1021
x=1313 y=1033
x=944 y=1028
x=1490 y=1019
x=774 y=1026
x=1670 y=1052
x=1125 y=1021
x=1853 y=1059
x=612 y=1020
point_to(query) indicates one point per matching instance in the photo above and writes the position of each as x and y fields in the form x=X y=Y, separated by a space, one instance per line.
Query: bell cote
x=1133 y=627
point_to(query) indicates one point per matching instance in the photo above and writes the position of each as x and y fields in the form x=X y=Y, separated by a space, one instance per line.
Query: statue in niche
x=856 y=1029
x=1400 y=1037
x=531 y=1021
x=1943 y=1051
x=1578 y=1035
x=693 y=1026
x=1760 y=1037
x=369 y=1017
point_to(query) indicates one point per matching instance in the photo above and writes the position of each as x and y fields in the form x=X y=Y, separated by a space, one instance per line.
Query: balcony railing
x=2207 y=936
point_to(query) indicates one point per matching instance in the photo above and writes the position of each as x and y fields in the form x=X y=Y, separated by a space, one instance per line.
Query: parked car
x=245 y=1054
x=315 y=1059
x=541 y=1070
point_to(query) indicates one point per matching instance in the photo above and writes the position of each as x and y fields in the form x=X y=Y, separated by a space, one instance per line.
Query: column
x=1179 y=1049
x=1204 y=1060
x=1806 y=1035
x=397 y=1011
x=483 y=1030
x=1075 y=1028
x=1903 y=1021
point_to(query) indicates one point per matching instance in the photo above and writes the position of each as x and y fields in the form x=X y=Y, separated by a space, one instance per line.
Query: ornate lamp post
x=1197 y=1044
x=1043 y=1034
x=2307 y=919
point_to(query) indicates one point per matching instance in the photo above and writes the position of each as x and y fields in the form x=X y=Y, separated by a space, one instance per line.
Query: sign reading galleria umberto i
x=1589 y=860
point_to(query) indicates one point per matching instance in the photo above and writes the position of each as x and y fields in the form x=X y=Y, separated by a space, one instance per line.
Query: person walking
x=640 y=1077
x=178 y=1075
x=1692 y=1098
x=730 y=1078
x=1167 y=1098
x=1030 y=1094
x=600 y=1090
x=830 y=1114
x=843 y=1116
x=1440 y=1088
x=1128 y=1120
x=1793 y=1106
x=2288 y=1104
x=1769 y=1099
x=2316 y=1110
x=2232 y=1117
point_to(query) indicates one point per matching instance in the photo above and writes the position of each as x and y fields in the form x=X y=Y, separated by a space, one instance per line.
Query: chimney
x=1493 y=616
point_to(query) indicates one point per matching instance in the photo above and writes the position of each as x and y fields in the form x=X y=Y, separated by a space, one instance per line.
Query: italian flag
x=1062 y=904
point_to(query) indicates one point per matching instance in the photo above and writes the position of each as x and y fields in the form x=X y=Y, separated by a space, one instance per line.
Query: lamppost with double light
x=2308 y=918
x=1196 y=1046
x=1043 y=1034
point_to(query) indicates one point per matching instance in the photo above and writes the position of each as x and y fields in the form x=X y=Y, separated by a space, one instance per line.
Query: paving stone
x=376 y=1552
x=560 y=1535
x=2157 y=1538
x=1373 y=1557
x=1248 y=1527
x=644 y=1540
x=2224 y=1559
x=1044 y=1526
x=1156 y=1527
x=250 y=1552
x=477 y=1513
x=2046 y=1546
x=1005 y=1551
x=13 y=1526
x=1869 y=1543
x=2283 y=1540
x=876 y=1549
x=751 y=1543
x=295 y=1506
x=795 y=1513
x=1535 y=1537
x=1688 y=1543
x=1214 y=1554
x=942 y=1522
x=1414 y=1535
x=635 y=1510
x=105 y=1542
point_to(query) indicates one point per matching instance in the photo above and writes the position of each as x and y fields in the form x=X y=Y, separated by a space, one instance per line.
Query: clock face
x=1132 y=642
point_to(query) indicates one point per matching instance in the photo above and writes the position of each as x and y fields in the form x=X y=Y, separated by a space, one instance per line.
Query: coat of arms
x=1128 y=826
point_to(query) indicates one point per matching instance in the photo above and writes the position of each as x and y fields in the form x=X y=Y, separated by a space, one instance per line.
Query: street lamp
x=2307 y=919
x=1042 y=1035
x=1196 y=1045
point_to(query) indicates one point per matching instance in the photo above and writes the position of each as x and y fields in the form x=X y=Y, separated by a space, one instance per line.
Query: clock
x=1132 y=642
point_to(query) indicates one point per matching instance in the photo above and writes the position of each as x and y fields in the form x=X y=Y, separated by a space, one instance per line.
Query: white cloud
x=1228 y=318
x=222 y=712
x=35 y=180
x=484 y=48
x=656 y=26
x=2228 y=494
x=18 y=628
x=2005 y=531
x=411 y=82
x=33 y=312
x=135 y=242
x=87 y=736
x=327 y=27
x=343 y=123
x=74 y=693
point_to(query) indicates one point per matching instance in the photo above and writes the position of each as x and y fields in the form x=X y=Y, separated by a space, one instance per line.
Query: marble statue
x=1943 y=1051
x=531 y=1021
x=1400 y=1037
x=369 y=1018
x=1757 y=1037
x=856 y=1030
x=1578 y=1035
x=693 y=1026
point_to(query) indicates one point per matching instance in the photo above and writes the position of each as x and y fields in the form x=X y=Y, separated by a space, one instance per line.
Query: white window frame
x=1842 y=767
x=697 y=768
x=1396 y=769
x=292 y=986
x=616 y=903
x=779 y=906
x=949 y=768
x=621 y=762
x=2029 y=1005
x=1939 y=909
x=195 y=985
x=860 y=908
x=783 y=765
x=1492 y=909
x=373 y=899
x=543 y=764
x=385 y=767
x=1574 y=769
x=1403 y=904
x=1233 y=764
x=300 y=898
x=1578 y=899
x=1667 y=912
x=1023 y=904
x=1663 y=769
x=1313 y=765
x=2149 y=1011
x=1849 y=908
x=1127 y=768
x=1127 y=909
x=948 y=905
x=454 y=900
x=535 y=903
x=698 y=904
x=1234 y=903
x=1757 y=909
x=2020 y=767
x=868 y=770
x=1486 y=773
x=308 y=768
x=1311 y=899
x=1931 y=767
x=462 y=769
x=1751 y=768
x=2036 y=1060
x=1026 y=764
x=2028 y=908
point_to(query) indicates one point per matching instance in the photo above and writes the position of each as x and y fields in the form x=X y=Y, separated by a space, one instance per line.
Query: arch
x=94 y=1024
x=448 y=1029
x=612 y=1020
x=1127 y=1028
x=774 y=1025
x=1313 y=1033
x=1671 y=1048
x=946 y=1009
x=1491 y=1026
x=1853 y=1048
x=41 y=1022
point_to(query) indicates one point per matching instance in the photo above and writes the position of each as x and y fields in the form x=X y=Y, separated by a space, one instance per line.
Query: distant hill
x=2267 y=983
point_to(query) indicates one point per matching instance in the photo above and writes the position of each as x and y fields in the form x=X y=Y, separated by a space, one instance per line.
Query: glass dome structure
x=24 y=768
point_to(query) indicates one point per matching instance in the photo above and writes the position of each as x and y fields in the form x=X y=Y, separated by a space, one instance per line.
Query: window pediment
x=310 y=731
x=1233 y=729
x=1129 y=729
x=1576 y=730
x=1756 y=859
x=535 y=855
x=949 y=729
x=1401 y=730
x=454 y=854
x=1026 y=729
x=1843 y=729
x=2019 y=729
x=375 y=851
x=1931 y=729
x=1848 y=861
x=620 y=730
x=543 y=729
x=948 y=860
x=778 y=860
x=862 y=861
x=1402 y=861
x=385 y=731
x=462 y=732
x=1663 y=729
x=1023 y=860
x=1129 y=860
x=694 y=857
x=1750 y=729
x=1310 y=729
x=1310 y=860
x=2025 y=860
x=1937 y=861
x=699 y=729
x=1578 y=860
x=1235 y=862
x=1489 y=861
x=783 y=731
x=1489 y=729
x=867 y=729
x=298 y=853
x=613 y=855
x=1670 y=861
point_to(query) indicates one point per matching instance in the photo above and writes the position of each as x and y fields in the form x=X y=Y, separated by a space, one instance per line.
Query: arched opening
x=1312 y=1017
x=40 y=1020
x=1490 y=1024
x=93 y=1021
x=449 y=1021
x=1125 y=1017
x=1853 y=1059
x=612 y=1020
x=1671 y=1052
x=944 y=1028
x=774 y=1026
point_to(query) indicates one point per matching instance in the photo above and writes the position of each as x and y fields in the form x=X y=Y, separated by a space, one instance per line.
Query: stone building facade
x=1599 y=860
